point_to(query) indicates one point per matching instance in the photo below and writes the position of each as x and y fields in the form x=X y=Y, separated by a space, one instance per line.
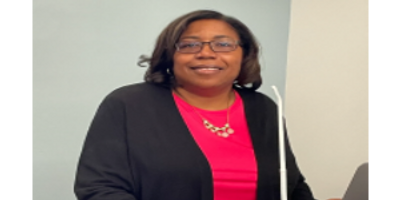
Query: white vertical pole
x=282 y=154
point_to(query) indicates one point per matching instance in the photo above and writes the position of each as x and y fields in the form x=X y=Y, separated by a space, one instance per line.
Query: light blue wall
x=84 y=49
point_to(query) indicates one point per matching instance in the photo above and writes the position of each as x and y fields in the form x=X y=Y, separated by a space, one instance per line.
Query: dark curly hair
x=161 y=62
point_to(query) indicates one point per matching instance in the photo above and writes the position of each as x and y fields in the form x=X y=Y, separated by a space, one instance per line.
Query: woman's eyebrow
x=221 y=36
x=198 y=38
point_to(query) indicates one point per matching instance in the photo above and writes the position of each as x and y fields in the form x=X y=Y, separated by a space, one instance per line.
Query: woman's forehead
x=209 y=29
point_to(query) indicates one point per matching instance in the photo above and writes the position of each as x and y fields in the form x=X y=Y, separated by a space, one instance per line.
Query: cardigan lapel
x=180 y=132
x=262 y=123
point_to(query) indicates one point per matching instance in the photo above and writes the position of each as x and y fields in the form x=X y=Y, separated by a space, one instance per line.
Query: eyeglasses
x=222 y=45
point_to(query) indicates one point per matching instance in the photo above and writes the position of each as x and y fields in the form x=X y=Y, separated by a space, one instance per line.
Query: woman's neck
x=207 y=99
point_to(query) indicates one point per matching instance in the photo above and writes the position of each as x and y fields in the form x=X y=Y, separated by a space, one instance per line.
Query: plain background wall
x=84 y=49
x=327 y=91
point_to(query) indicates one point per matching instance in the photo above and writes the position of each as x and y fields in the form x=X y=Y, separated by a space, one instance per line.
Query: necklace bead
x=224 y=131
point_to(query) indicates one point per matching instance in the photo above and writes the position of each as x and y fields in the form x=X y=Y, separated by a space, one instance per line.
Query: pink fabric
x=232 y=159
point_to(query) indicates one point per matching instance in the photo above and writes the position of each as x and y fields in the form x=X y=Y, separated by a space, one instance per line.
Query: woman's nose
x=206 y=51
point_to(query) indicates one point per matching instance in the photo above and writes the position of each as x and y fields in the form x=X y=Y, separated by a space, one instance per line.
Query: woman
x=195 y=130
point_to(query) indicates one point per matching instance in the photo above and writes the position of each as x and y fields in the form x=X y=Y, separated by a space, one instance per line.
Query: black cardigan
x=139 y=148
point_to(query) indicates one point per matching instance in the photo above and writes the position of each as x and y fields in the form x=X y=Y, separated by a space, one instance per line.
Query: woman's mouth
x=206 y=69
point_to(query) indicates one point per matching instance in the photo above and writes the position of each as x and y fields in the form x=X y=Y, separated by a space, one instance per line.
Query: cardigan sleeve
x=104 y=171
x=302 y=191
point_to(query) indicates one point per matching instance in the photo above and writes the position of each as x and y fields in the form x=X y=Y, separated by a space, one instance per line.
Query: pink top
x=231 y=159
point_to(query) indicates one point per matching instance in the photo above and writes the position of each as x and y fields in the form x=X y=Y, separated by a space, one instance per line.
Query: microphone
x=282 y=154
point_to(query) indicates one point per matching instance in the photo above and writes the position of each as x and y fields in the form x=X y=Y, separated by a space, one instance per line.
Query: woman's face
x=208 y=69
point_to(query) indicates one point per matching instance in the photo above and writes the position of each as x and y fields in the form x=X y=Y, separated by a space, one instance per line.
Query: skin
x=203 y=88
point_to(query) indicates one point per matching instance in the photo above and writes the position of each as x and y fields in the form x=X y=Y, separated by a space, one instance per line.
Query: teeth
x=209 y=68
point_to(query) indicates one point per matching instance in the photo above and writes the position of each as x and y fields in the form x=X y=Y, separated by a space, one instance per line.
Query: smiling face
x=207 y=69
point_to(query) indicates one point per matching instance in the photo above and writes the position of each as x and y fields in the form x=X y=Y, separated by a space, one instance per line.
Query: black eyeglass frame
x=210 y=43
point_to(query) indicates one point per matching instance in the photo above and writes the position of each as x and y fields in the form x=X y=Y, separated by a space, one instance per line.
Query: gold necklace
x=224 y=131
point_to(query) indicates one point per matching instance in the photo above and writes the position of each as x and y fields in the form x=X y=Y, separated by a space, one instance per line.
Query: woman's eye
x=223 y=44
x=189 y=45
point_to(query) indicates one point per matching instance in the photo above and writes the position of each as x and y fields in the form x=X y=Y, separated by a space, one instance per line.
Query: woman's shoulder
x=255 y=96
x=137 y=92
